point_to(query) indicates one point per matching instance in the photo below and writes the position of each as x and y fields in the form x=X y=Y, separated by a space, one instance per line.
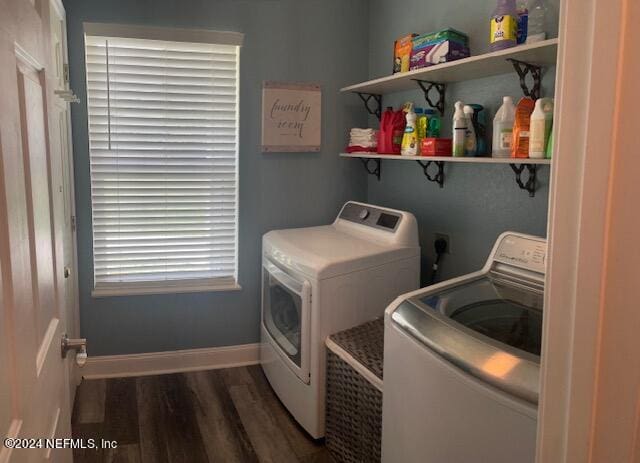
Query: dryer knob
x=364 y=213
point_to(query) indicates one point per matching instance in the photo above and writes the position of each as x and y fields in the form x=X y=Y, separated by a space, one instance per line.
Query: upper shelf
x=475 y=67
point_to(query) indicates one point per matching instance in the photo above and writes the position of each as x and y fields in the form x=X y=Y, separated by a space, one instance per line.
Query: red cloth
x=361 y=149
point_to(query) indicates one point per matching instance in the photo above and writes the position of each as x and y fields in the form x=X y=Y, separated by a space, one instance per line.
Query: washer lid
x=508 y=313
x=489 y=328
x=326 y=251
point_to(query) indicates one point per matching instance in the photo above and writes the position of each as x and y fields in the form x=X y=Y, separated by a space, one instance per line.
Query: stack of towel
x=363 y=140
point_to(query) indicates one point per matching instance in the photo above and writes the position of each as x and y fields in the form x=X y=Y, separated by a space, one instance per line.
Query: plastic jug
x=504 y=25
x=536 y=23
x=540 y=127
x=503 y=128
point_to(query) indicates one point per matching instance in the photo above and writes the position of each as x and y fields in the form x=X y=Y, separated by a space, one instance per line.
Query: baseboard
x=156 y=363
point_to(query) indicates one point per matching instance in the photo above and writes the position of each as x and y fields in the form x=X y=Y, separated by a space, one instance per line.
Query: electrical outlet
x=442 y=236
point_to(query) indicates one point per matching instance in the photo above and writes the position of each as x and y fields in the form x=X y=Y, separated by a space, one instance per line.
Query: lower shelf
x=373 y=164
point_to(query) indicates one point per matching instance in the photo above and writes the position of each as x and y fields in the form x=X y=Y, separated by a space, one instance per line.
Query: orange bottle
x=521 y=134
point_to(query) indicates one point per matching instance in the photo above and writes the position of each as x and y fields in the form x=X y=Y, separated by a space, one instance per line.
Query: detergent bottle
x=434 y=123
x=504 y=25
x=540 y=128
x=503 y=128
x=410 y=138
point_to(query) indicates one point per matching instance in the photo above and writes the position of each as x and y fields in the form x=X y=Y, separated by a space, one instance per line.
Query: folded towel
x=368 y=144
x=362 y=140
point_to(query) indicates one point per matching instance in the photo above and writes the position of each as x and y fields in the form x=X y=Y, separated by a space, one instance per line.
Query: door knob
x=79 y=345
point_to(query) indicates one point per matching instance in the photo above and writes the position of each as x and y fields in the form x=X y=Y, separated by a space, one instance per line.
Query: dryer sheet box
x=438 y=47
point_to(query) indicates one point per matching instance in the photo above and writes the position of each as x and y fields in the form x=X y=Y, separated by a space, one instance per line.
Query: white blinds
x=163 y=135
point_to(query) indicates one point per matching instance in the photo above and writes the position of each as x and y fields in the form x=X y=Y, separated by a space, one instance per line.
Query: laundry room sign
x=291 y=117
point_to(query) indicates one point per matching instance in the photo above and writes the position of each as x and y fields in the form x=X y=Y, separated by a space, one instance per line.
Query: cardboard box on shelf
x=436 y=147
x=438 y=47
x=402 y=53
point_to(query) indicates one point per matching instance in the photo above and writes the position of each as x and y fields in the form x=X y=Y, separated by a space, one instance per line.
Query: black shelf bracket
x=375 y=170
x=427 y=87
x=438 y=176
x=377 y=99
x=523 y=69
x=530 y=184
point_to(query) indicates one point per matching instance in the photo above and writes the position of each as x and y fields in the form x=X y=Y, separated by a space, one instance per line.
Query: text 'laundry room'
x=340 y=231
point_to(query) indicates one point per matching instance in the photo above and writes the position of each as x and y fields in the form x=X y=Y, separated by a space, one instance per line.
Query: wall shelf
x=518 y=165
x=475 y=67
x=526 y=60
x=468 y=160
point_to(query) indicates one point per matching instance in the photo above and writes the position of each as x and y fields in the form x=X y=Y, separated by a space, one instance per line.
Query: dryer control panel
x=371 y=216
x=388 y=226
x=523 y=252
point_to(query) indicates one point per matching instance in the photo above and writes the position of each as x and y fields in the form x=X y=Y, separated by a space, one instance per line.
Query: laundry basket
x=354 y=393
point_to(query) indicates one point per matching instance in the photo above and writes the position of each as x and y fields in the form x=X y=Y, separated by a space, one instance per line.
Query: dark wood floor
x=228 y=415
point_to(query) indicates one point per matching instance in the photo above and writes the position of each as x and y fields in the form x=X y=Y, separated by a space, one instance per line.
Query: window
x=163 y=147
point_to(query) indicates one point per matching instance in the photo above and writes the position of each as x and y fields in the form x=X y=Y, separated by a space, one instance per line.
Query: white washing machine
x=320 y=280
x=462 y=363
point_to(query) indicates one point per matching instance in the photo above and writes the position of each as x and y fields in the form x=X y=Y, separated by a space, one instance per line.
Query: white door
x=61 y=140
x=34 y=399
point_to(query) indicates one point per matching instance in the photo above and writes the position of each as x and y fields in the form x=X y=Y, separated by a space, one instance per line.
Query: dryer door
x=286 y=315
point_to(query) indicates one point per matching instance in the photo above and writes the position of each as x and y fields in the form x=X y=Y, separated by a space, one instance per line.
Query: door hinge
x=73 y=223
x=65 y=72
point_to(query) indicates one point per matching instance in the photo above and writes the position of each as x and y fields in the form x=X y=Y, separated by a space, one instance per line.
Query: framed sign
x=291 y=117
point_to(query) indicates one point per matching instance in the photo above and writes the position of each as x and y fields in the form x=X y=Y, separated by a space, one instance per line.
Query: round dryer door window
x=285 y=315
x=283 y=312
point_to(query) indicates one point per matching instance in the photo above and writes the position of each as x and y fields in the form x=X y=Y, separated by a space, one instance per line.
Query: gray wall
x=325 y=41
x=478 y=202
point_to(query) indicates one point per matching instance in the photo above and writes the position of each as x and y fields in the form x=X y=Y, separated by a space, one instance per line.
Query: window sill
x=168 y=289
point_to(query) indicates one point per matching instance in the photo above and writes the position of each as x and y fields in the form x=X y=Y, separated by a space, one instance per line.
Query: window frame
x=171 y=35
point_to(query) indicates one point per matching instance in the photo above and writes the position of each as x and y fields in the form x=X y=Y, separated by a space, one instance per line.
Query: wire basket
x=354 y=403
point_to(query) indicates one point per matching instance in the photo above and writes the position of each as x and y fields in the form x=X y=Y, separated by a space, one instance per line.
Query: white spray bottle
x=459 y=129
x=470 y=140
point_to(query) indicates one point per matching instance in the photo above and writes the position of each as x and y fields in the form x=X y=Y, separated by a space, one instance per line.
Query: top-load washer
x=320 y=280
x=462 y=363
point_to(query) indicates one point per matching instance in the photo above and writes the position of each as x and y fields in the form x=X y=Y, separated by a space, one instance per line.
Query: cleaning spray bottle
x=470 y=139
x=410 y=137
x=460 y=123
